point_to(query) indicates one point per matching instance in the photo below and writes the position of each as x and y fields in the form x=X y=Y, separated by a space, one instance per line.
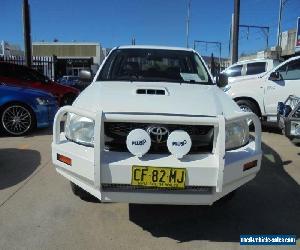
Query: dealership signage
x=297 y=45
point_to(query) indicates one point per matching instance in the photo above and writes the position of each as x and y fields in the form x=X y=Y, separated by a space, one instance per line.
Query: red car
x=19 y=75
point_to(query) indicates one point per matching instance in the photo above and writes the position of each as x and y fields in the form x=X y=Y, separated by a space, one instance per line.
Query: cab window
x=150 y=65
x=234 y=71
x=290 y=71
x=256 y=68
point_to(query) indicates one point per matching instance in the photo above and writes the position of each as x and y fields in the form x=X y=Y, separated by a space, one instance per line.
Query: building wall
x=68 y=50
x=288 y=39
x=65 y=50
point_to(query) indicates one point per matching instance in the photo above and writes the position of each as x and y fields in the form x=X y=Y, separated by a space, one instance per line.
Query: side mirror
x=85 y=75
x=222 y=80
x=275 y=76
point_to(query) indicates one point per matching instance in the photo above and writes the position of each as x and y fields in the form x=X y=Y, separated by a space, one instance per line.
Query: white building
x=7 y=49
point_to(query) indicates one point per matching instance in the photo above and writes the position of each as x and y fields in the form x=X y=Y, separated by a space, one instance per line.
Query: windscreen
x=154 y=65
x=37 y=76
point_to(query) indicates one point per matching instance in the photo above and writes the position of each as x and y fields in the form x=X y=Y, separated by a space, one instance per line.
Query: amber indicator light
x=250 y=165
x=64 y=159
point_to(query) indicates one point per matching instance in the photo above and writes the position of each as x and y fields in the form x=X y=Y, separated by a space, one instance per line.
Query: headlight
x=226 y=88
x=80 y=129
x=43 y=101
x=237 y=134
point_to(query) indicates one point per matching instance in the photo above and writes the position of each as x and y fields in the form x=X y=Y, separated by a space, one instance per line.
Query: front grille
x=107 y=187
x=201 y=136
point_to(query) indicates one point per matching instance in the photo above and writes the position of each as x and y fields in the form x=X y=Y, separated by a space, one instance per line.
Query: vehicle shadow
x=36 y=132
x=16 y=165
x=269 y=204
x=270 y=128
x=45 y=131
x=40 y=131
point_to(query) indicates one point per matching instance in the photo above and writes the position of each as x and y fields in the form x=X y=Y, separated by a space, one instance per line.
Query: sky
x=156 y=22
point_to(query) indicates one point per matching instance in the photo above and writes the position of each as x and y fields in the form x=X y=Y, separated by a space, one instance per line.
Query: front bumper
x=107 y=174
x=288 y=122
x=288 y=125
x=45 y=115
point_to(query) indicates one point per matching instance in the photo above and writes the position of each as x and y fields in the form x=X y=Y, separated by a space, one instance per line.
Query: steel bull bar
x=100 y=117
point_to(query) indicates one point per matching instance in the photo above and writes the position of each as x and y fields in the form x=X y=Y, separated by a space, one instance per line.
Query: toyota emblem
x=158 y=134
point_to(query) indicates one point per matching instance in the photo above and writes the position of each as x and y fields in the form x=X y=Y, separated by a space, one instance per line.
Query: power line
x=264 y=29
x=210 y=42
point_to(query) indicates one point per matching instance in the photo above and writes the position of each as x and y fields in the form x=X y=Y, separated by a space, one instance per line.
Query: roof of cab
x=153 y=47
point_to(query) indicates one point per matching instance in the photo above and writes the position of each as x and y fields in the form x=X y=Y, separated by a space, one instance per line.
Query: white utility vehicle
x=154 y=128
x=261 y=95
x=249 y=69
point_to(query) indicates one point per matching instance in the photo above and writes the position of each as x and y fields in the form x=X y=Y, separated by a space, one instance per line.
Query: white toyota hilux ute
x=154 y=128
x=262 y=94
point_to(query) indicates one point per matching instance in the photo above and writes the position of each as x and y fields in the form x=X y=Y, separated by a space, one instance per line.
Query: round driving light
x=179 y=143
x=138 y=142
x=297 y=130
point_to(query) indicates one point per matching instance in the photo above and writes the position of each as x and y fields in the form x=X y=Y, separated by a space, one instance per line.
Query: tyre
x=248 y=106
x=68 y=99
x=17 y=119
x=81 y=193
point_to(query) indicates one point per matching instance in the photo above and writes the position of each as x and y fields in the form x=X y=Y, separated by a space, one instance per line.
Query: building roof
x=65 y=43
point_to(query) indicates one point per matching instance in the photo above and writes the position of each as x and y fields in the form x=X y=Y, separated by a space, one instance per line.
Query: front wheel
x=17 y=119
x=248 y=106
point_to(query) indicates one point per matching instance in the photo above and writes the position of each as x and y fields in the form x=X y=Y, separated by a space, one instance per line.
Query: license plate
x=158 y=177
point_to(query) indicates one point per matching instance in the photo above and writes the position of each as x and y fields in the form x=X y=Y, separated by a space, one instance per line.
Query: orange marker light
x=249 y=165
x=64 y=159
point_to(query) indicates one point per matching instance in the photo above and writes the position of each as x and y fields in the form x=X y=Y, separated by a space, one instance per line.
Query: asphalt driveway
x=39 y=211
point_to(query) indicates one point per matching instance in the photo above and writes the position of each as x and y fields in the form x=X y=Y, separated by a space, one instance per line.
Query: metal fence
x=45 y=65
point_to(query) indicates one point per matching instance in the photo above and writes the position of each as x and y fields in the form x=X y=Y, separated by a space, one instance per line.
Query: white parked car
x=261 y=95
x=249 y=69
x=154 y=128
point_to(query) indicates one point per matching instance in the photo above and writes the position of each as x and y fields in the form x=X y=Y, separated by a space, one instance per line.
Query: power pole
x=27 y=33
x=235 y=32
x=281 y=3
x=188 y=23
x=133 y=41
x=230 y=37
